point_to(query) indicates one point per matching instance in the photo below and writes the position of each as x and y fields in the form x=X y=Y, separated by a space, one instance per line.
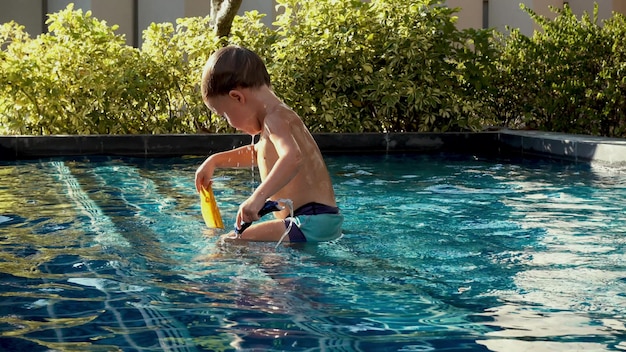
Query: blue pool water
x=439 y=253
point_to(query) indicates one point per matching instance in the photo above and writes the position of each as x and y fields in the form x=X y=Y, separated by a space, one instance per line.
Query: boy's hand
x=204 y=173
x=249 y=211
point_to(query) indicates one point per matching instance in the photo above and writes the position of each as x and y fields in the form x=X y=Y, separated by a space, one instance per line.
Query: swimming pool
x=439 y=253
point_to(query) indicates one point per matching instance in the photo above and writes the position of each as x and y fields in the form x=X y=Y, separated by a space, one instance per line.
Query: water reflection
x=436 y=255
x=524 y=328
x=569 y=291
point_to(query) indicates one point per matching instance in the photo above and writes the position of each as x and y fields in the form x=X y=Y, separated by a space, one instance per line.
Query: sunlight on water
x=439 y=253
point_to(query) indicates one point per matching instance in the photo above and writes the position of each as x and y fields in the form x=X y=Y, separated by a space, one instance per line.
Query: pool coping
x=577 y=148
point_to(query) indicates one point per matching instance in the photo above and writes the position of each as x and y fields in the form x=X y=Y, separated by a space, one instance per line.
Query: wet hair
x=230 y=68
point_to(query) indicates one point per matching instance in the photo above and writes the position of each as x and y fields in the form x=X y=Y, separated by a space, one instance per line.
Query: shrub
x=174 y=52
x=378 y=66
x=567 y=77
x=344 y=66
x=79 y=78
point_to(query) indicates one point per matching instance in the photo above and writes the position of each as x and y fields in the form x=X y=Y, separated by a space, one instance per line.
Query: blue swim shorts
x=314 y=222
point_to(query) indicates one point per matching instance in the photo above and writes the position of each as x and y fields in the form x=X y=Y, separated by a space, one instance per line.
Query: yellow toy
x=210 y=211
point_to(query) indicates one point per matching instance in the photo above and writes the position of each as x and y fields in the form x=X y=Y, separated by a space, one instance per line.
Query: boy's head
x=232 y=67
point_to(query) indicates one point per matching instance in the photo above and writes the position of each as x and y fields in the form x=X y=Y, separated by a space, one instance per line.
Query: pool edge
x=572 y=147
x=578 y=148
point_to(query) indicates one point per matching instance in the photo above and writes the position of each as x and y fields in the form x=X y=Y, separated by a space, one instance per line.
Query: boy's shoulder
x=282 y=113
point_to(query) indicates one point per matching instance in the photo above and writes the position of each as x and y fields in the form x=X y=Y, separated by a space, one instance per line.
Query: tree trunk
x=222 y=14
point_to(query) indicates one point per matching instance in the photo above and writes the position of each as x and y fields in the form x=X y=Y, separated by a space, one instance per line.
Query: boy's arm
x=288 y=163
x=239 y=157
x=283 y=171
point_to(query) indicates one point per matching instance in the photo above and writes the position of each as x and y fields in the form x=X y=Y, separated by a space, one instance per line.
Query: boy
x=236 y=86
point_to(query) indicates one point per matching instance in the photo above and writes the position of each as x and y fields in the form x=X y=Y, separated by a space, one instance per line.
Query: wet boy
x=236 y=86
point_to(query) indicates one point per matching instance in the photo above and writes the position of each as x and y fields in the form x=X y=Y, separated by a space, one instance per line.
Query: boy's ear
x=237 y=95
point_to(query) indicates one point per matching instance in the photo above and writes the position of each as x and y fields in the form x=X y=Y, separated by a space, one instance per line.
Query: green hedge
x=379 y=66
x=344 y=66
x=569 y=77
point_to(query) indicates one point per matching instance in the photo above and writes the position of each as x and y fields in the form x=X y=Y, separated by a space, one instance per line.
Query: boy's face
x=234 y=109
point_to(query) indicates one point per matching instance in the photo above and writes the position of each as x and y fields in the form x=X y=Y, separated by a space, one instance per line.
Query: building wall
x=194 y=8
x=470 y=13
x=133 y=16
x=542 y=7
x=157 y=11
x=58 y=5
x=605 y=7
x=619 y=6
x=267 y=7
x=507 y=13
x=28 y=13
x=119 y=12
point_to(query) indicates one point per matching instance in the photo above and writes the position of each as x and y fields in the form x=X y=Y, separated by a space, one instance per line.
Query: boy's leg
x=266 y=231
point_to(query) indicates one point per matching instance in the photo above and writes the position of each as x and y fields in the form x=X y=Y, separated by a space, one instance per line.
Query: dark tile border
x=576 y=148
x=26 y=147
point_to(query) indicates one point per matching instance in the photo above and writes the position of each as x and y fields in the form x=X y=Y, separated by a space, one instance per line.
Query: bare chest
x=266 y=157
